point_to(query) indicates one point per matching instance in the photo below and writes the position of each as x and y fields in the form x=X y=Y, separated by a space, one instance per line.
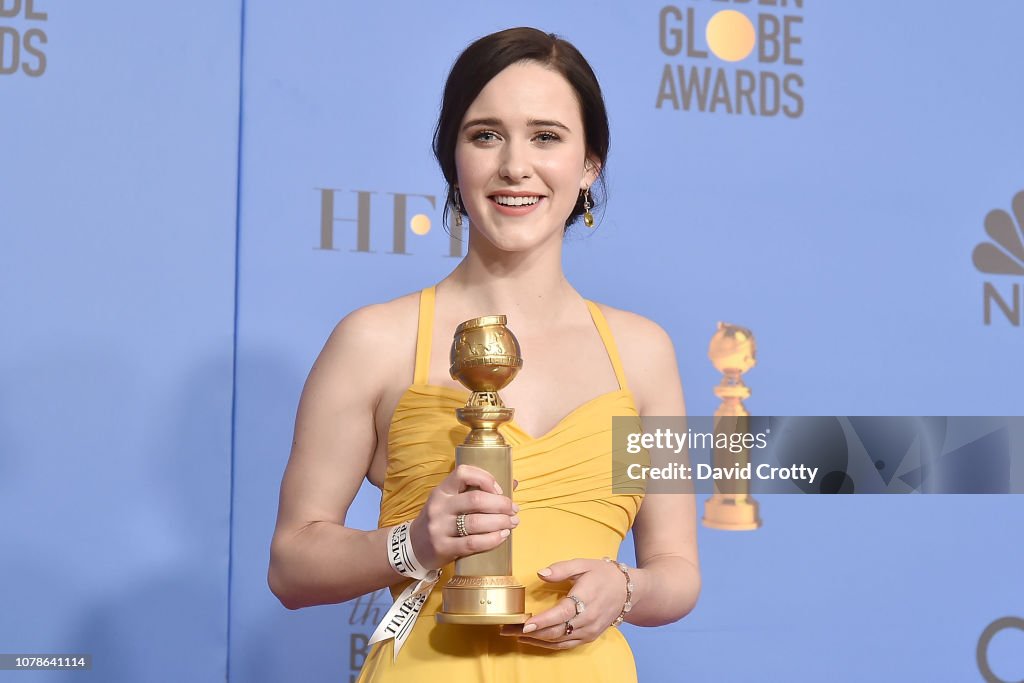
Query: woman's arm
x=667 y=577
x=666 y=581
x=314 y=558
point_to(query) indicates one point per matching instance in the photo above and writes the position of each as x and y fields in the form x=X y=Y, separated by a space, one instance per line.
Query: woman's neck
x=529 y=286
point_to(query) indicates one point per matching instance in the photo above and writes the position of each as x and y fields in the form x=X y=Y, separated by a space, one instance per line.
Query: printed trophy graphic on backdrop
x=732 y=351
x=485 y=357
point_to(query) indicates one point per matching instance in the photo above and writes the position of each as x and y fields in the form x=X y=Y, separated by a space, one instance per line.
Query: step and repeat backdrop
x=194 y=194
x=118 y=192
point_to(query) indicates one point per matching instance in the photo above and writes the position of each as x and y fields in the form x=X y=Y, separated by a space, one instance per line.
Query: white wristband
x=399 y=620
x=401 y=555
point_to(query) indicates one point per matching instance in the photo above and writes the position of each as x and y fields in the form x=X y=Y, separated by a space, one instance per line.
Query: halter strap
x=609 y=342
x=424 y=335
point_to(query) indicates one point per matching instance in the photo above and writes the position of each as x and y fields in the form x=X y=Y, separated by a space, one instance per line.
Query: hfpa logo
x=366 y=210
x=1004 y=255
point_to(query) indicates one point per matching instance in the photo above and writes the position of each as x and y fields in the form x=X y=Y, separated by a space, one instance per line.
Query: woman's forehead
x=526 y=91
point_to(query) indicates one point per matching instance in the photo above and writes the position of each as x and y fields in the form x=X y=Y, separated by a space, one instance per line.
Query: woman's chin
x=517 y=242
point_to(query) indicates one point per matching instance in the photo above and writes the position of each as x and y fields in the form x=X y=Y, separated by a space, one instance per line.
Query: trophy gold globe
x=485 y=357
x=732 y=351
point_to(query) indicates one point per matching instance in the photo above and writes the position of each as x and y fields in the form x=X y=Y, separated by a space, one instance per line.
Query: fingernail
x=529 y=628
x=515 y=508
x=545 y=572
x=514 y=519
x=505 y=533
x=497 y=488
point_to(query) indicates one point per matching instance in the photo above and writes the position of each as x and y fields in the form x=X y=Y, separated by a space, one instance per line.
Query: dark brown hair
x=485 y=59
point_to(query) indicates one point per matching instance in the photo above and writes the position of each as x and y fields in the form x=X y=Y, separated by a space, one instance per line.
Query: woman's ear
x=591 y=169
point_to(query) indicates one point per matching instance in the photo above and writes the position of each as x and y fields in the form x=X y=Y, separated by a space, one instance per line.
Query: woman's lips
x=516 y=210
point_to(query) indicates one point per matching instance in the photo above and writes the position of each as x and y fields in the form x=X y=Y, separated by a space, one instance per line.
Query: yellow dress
x=567 y=510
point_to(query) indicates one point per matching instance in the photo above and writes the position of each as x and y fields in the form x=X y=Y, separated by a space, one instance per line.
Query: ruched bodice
x=567 y=510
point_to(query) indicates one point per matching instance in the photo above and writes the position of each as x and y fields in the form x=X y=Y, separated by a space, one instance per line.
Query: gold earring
x=588 y=218
x=456 y=210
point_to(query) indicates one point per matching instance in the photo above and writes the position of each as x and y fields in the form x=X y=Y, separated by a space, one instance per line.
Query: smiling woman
x=522 y=153
x=522 y=138
x=476 y=85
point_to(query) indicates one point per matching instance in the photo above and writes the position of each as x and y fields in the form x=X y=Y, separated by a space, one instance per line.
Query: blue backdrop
x=193 y=195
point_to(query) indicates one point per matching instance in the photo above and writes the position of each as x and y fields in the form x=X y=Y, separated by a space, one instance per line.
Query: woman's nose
x=515 y=162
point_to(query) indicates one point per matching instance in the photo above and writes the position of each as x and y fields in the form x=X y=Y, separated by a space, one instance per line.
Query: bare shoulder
x=630 y=327
x=375 y=331
x=375 y=323
x=359 y=357
x=649 y=361
x=335 y=430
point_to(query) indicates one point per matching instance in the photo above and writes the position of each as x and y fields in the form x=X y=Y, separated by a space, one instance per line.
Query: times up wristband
x=399 y=620
x=401 y=555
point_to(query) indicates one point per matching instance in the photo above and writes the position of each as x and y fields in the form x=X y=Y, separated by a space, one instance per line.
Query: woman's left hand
x=601 y=589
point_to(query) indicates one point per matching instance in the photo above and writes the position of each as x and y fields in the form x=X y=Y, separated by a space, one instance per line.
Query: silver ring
x=460 y=525
x=580 y=605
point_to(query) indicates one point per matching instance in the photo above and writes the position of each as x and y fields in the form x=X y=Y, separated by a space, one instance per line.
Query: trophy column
x=732 y=351
x=485 y=357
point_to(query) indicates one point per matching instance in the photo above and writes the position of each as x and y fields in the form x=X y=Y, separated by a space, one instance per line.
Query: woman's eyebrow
x=532 y=123
x=538 y=123
x=481 y=122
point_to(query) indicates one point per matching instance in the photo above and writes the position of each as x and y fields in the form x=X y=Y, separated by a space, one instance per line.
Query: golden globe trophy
x=485 y=357
x=732 y=352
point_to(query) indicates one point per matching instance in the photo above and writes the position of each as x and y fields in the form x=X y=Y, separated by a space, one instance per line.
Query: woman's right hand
x=490 y=517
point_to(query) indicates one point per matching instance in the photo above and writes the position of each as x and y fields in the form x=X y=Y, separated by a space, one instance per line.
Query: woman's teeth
x=515 y=201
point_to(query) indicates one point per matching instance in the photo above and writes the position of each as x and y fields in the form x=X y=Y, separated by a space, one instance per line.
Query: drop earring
x=588 y=218
x=455 y=208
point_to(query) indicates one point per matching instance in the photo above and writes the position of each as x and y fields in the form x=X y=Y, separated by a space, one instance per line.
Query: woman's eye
x=485 y=136
x=547 y=137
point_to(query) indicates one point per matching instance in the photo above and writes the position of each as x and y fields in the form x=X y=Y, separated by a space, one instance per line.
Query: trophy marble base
x=483 y=600
x=731 y=513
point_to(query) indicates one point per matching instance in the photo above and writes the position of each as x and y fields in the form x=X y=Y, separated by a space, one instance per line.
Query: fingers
x=554 y=636
x=483 y=532
x=473 y=492
x=482 y=524
x=481 y=501
x=590 y=612
x=550 y=624
x=466 y=476
x=478 y=543
x=567 y=570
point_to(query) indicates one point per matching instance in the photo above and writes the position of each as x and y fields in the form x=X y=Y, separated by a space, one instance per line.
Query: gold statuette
x=732 y=351
x=485 y=357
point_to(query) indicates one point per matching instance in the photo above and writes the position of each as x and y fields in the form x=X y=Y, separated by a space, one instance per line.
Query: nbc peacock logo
x=1004 y=255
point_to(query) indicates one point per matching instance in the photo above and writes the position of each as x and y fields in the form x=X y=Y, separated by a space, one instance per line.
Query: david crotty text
x=703 y=471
